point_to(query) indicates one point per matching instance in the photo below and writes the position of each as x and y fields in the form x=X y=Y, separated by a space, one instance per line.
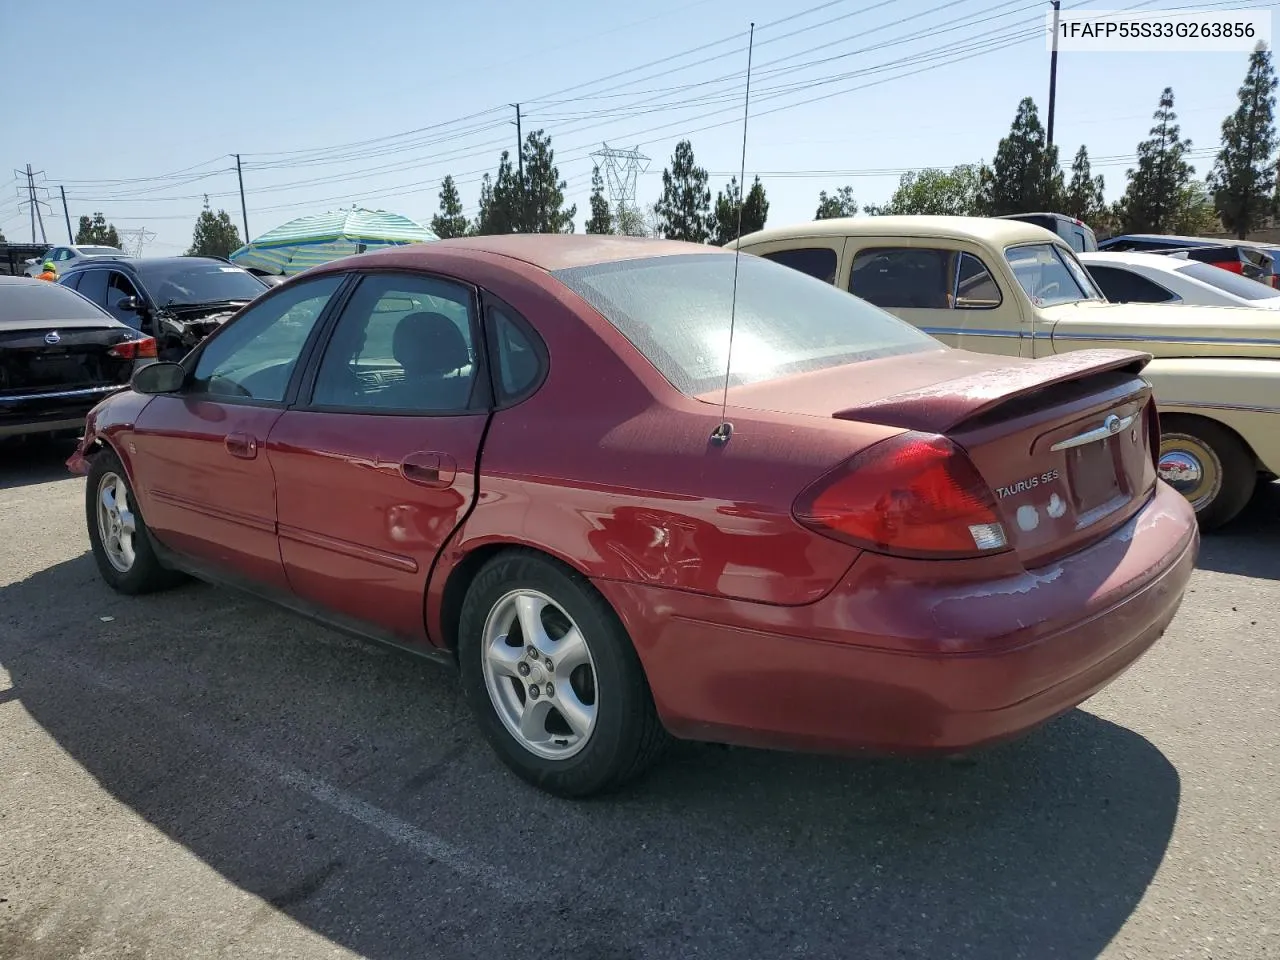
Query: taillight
x=916 y=494
x=1153 y=434
x=143 y=348
x=1235 y=266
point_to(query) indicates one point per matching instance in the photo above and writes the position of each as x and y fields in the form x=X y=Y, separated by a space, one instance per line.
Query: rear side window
x=817 y=262
x=1228 y=282
x=676 y=311
x=40 y=301
x=1125 y=286
x=921 y=278
x=518 y=362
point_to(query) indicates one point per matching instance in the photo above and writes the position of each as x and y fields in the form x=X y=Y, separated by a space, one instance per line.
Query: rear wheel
x=118 y=534
x=553 y=680
x=1209 y=465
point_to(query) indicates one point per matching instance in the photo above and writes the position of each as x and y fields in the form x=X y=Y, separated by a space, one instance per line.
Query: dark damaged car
x=59 y=356
x=177 y=300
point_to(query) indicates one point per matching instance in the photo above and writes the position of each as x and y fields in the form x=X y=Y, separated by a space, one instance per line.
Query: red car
x=510 y=452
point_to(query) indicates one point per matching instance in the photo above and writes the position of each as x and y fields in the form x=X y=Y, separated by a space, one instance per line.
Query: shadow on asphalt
x=24 y=463
x=1249 y=545
x=345 y=784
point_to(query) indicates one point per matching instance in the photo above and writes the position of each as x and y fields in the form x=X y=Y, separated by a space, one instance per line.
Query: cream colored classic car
x=1003 y=286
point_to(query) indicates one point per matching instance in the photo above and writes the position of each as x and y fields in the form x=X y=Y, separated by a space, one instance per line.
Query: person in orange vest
x=50 y=271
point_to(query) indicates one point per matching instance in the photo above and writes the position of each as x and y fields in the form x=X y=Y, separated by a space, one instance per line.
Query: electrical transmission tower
x=132 y=241
x=622 y=168
x=32 y=201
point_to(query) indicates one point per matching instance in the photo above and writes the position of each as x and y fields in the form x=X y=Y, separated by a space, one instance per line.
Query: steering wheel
x=1049 y=290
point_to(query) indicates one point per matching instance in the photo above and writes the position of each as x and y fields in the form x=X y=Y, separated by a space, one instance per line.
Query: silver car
x=64 y=256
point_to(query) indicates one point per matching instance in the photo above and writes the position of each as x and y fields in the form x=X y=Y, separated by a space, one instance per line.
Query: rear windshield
x=100 y=251
x=39 y=301
x=676 y=311
x=1227 y=281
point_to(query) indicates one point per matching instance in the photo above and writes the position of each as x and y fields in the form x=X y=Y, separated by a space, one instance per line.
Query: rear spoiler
x=944 y=406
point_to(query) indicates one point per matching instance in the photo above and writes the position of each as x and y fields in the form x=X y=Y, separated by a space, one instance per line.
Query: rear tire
x=553 y=679
x=1209 y=465
x=121 y=543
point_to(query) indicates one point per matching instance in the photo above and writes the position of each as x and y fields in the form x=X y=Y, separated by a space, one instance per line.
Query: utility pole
x=1053 y=71
x=524 y=200
x=71 y=237
x=244 y=211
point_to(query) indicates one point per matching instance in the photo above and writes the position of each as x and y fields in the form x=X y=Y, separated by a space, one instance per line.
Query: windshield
x=1050 y=275
x=1228 y=282
x=100 y=251
x=188 y=282
x=43 y=302
x=676 y=311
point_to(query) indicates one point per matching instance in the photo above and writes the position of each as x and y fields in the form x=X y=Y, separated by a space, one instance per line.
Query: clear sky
x=135 y=106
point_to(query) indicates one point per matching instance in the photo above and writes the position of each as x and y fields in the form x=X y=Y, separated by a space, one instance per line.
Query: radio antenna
x=721 y=434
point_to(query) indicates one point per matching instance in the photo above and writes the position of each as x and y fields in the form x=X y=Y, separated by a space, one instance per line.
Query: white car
x=1169 y=278
x=64 y=256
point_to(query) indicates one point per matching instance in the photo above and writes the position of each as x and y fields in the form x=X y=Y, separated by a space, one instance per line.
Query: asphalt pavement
x=196 y=774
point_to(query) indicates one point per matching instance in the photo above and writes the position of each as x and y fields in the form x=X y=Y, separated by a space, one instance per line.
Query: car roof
x=547 y=251
x=6 y=279
x=133 y=263
x=993 y=230
x=1158 y=261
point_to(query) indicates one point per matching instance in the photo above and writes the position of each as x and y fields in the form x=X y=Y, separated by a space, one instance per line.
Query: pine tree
x=601 y=220
x=543 y=209
x=500 y=200
x=1241 y=181
x=838 y=204
x=723 y=223
x=98 y=232
x=1024 y=177
x=1153 y=195
x=1084 y=198
x=214 y=234
x=449 y=222
x=684 y=209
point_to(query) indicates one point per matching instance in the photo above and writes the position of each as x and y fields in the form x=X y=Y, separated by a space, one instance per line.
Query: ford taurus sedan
x=523 y=454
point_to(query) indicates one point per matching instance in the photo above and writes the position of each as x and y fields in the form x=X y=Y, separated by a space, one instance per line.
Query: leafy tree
x=1024 y=177
x=215 y=235
x=935 y=192
x=449 y=222
x=1193 y=211
x=1084 y=198
x=543 y=209
x=1241 y=181
x=684 y=209
x=601 y=219
x=97 y=232
x=723 y=224
x=839 y=204
x=629 y=221
x=1156 y=188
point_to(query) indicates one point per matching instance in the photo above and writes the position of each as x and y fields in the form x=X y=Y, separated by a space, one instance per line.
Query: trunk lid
x=1065 y=443
x=63 y=355
x=1165 y=329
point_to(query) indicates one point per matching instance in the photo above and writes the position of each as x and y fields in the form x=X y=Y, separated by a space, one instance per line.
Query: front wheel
x=1209 y=465
x=553 y=680
x=118 y=534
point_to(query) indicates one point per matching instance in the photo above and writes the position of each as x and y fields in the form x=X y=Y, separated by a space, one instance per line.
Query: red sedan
x=510 y=452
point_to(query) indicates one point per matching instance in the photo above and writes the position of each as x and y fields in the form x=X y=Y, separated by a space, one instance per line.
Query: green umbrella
x=322 y=237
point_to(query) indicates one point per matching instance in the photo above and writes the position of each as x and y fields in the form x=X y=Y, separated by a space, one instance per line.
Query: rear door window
x=817 y=262
x=93 y=284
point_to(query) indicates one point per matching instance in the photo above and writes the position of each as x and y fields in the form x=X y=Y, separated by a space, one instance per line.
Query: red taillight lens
x=1235 y=266
x=916 y=494
x=141 y=349
x=1153 y=433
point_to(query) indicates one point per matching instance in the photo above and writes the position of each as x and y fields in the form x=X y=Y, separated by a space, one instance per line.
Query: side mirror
x=131 y=304
x=160 y=377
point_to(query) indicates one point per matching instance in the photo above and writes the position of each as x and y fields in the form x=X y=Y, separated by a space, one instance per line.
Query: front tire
x=1209 y=465
x=121 y=542
x=553 y=679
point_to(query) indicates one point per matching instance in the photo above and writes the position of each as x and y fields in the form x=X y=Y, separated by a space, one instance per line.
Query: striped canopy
x=310 y=241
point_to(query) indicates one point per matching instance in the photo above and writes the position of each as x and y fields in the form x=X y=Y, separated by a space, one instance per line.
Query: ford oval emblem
x=52 y=337
x=1112 y=423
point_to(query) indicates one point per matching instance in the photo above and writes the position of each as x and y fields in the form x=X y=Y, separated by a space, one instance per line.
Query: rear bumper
x=54 y=411
x=914 y=656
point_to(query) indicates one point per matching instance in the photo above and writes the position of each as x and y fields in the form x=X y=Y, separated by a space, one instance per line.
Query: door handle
x=429 y=469
x=241 y=445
